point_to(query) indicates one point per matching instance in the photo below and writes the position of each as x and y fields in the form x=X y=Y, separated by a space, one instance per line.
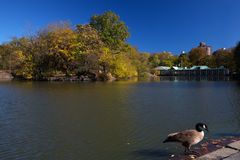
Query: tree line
x=198 y=56
x=98 y=50
x=228 y=58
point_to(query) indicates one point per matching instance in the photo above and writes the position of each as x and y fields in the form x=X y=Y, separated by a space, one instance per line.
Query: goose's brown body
x=188 y=137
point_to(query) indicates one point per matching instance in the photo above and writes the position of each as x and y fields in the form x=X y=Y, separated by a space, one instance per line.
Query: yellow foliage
x=121 y=67
x=19 y=56
x=25 y=64
x=119 y=64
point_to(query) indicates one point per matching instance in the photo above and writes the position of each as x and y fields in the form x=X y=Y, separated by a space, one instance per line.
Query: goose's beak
x=207 y=129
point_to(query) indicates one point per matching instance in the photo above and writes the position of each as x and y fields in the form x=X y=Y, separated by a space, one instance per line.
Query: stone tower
x=207 y=48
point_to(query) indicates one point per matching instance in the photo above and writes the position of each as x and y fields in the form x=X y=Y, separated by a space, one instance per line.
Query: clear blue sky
x=155 y=25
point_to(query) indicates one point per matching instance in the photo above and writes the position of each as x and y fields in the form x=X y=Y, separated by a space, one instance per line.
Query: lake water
x=110 y=121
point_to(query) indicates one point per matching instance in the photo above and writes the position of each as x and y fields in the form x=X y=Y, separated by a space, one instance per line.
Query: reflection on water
x=119 y=120
x=194 y=78
x=152 y=153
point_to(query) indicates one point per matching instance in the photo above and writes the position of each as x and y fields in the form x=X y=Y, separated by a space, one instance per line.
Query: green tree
x=112 y=30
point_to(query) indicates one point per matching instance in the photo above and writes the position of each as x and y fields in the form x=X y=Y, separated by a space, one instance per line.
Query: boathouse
x=193 y=71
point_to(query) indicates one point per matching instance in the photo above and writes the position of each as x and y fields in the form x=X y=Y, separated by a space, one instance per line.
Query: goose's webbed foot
x=188 y=152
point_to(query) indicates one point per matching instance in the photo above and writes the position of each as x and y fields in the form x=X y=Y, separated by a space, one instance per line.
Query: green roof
x=199 y=67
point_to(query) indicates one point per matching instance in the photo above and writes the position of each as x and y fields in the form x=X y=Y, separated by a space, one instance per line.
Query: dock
x=229 y=152
x=193 y=71
x=224 y=148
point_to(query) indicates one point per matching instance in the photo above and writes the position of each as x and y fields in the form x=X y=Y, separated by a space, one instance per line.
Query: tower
x=207 y=48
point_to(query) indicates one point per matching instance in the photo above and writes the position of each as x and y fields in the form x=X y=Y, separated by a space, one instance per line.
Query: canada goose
x=188 y=137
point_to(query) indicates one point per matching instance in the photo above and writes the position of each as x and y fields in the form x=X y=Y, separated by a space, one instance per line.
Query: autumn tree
x=57 y=44
x=89 y=48
x=183 y=60
x=225 y=58
x=63 y=50
x=154 y=61
x=122 y=68
x=163 y=59
x=139 y=60
x=21 y=57
x=5 y=56
x=196 y=55
x=209 y=61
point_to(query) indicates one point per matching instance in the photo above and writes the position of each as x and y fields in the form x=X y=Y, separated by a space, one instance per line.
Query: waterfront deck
x=194 y=71
x=225 y=148
x=202 y=72
x=229 y=152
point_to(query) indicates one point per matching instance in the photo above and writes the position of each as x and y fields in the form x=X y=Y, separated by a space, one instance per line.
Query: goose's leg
x=185 y=150
x=193 y=152
x=196 y=153
x=186 y=146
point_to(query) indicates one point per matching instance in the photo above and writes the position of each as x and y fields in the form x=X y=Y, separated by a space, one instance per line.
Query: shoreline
x=213 y=149
x=229 y=152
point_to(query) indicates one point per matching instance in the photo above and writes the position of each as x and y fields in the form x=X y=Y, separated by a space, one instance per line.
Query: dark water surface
x=110 y=121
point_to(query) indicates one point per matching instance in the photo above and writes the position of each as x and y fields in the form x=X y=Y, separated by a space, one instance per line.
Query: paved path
x=230 y=152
